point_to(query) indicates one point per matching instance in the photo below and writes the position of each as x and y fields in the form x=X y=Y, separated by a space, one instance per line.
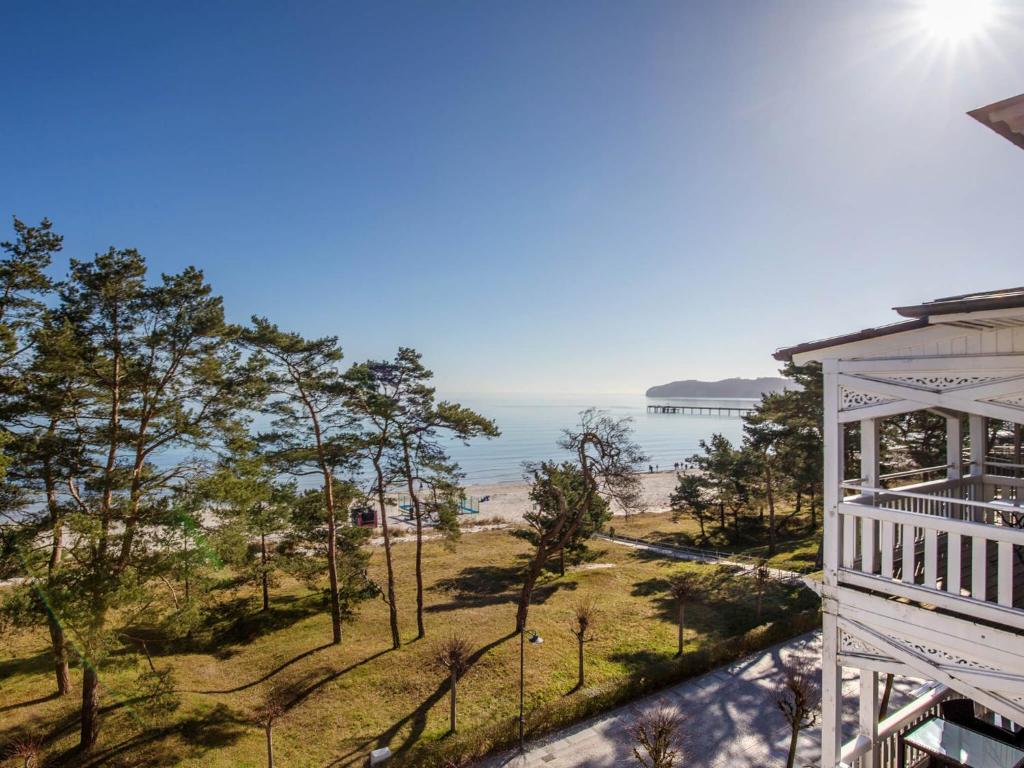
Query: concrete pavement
x=731 y=719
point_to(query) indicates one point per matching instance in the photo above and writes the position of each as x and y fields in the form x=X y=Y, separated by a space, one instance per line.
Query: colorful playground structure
x=468 y=505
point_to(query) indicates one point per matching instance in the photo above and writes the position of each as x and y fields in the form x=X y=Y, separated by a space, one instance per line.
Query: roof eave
x=786 y=354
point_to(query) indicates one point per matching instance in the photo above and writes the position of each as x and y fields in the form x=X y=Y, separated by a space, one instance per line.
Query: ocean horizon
x=531 y=426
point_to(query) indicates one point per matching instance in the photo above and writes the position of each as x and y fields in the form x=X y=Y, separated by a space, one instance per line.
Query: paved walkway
x=700 y=556
x=731 y=719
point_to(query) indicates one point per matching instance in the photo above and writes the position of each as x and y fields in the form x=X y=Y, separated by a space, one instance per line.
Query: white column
x=976 y=425
x=831 y=671
x=869 y=458
x=869 y=716
x=954 y=447
x=869 y=446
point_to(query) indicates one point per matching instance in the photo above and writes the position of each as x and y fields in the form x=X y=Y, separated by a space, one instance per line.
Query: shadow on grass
x=199 y=735
x=276 y=670
x=29 y=703
x=637 y=662
x=479 y=586
x=38 y=663
x=302 y=692
x=418 y=717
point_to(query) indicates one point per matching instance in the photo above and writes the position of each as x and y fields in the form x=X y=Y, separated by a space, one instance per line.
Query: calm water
x=531 y=427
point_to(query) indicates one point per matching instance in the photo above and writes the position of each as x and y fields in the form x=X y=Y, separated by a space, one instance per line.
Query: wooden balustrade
x=917 y=711
x=957 y=544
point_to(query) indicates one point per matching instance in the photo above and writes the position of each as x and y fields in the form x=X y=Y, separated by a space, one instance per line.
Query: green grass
x=351 y=698
x=796 y=547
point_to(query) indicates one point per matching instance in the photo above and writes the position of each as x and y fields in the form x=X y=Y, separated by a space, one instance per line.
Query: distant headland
x=752 y=388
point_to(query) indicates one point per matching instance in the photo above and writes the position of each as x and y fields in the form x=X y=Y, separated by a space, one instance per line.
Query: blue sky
x=574 y=196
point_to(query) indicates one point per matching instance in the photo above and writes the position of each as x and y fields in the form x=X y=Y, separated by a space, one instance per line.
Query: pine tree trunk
x=769 y=484
x=60 y=655
x=57 y=639
x=417 y=513
x=332 y=557
x=453 y=700
x=270 y=745
x=263 y=572
x=421 y=631
x=883 y=707
x=527 y=591
x=90 y=708
x=396 y=639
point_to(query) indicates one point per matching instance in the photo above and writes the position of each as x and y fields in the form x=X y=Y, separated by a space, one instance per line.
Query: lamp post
x=535 y=639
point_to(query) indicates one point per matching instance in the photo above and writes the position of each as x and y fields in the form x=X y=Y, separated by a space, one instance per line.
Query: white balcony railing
x=955 y=543
x=853 y=754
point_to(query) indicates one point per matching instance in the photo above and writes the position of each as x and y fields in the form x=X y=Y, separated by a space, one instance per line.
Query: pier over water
x=699 y=410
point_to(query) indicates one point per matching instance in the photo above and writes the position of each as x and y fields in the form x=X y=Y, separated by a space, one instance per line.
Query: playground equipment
x=468 y=505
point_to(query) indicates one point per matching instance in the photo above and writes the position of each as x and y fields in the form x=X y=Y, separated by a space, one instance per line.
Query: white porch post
x=869 y=716
x=976 y=426
x=869 y=469
x=831 y=672
x=869 y=459
x=954 y=447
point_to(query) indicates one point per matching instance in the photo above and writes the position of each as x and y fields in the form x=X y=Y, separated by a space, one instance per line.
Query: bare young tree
x=582 y=627
x=657 y=736
x=273 y=707
x=573 y=497
x=27 y=751
x=798 y=697
x=762 y=575
x=682 y=588
x=452 y=656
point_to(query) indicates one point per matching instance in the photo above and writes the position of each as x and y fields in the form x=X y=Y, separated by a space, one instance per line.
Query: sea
x=531 y=426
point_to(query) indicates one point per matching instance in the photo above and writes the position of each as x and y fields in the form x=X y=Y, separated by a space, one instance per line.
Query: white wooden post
x=869 y=716
x=831 y=671
x=954 y=447
x=976 y=426
x=869 y=448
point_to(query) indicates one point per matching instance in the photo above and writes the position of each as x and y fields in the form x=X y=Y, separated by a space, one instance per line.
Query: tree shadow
x=418 y=717
x=217 y=729
x=300 y=692
x=638 y=662
x=479 y=586
x=276 y=670
x=236 y=623
x=29 y=703
x=27 y=665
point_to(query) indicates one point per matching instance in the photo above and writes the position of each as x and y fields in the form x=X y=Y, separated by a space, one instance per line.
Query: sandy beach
x=508 y=501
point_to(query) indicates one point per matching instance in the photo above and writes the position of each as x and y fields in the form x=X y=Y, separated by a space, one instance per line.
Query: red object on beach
x=364 y=517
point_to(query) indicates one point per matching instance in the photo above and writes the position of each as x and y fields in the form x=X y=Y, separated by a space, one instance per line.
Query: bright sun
x=955 y=20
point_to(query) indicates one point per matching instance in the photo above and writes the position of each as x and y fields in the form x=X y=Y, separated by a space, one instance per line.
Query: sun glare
x=955 y=20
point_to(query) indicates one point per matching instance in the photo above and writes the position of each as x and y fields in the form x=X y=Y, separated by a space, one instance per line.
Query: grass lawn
x=349 y=699
x=796 y=548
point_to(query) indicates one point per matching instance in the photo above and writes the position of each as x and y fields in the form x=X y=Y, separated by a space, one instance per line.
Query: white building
x=924 y=572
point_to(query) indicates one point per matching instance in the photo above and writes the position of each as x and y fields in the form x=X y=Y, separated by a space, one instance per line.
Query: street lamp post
x=535 y=639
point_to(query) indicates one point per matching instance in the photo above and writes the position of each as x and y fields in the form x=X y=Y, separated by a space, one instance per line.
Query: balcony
x=954 y=544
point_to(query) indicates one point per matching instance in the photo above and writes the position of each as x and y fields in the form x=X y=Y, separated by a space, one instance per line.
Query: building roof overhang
x=985 y=309
x=1005 y=117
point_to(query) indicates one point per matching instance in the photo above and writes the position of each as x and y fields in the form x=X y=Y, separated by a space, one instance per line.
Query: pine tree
x=312 y=428
x=160 y=377
x=421 y=424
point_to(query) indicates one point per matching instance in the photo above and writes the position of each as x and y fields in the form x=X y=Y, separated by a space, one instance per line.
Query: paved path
x=699 y=556
x=731 y=720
